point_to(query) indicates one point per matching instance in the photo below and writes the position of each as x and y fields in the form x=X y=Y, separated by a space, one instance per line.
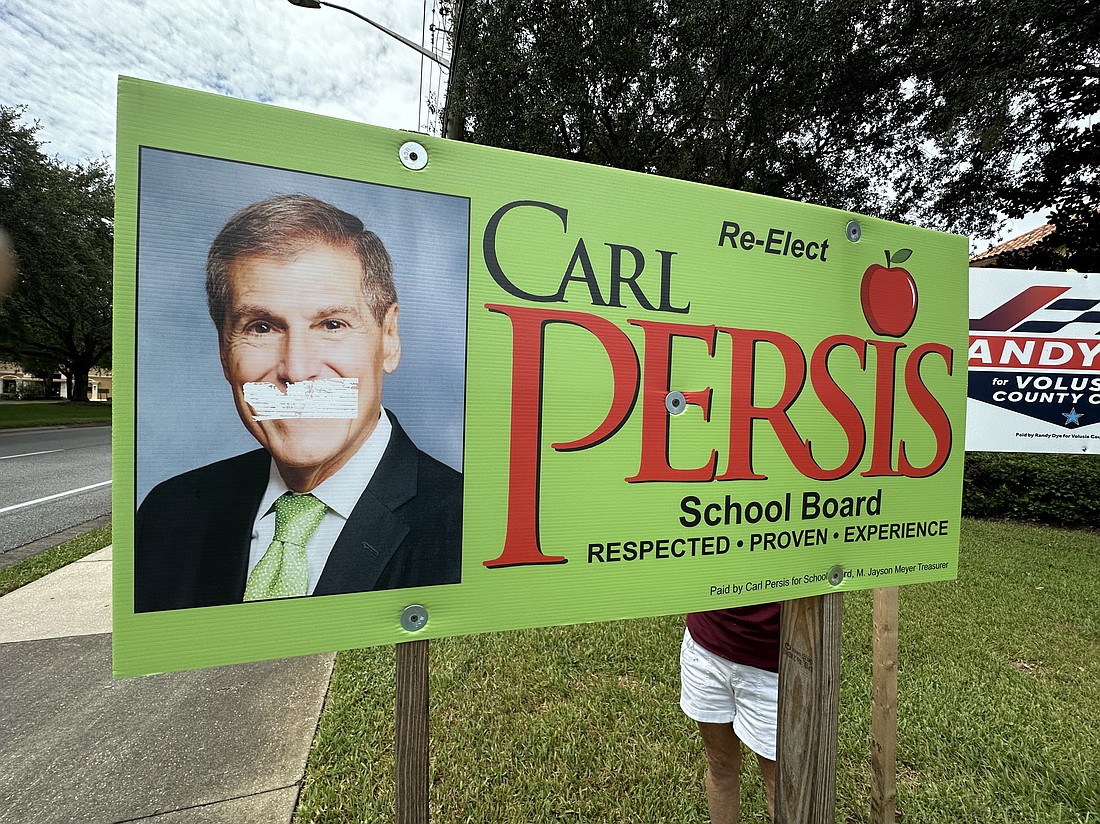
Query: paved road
x=51 y=479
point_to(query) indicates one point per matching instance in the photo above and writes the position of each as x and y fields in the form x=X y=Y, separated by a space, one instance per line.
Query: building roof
x=1024 y=241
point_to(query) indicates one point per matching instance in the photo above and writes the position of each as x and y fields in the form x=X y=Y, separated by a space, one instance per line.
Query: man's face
x=305 y=318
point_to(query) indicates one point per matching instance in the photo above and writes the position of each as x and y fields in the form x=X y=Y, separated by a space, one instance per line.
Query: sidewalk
x=205 y=747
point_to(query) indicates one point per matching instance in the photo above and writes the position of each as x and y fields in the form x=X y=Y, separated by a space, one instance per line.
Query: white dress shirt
x=340 y=494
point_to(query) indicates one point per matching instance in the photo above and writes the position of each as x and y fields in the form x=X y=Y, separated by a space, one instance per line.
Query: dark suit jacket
x=193 y=531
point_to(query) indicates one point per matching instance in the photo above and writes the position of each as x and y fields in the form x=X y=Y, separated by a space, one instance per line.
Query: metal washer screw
x=853 y=231
x=675 y=403
x=836 y=575
x=414 y=618
x=413 y=156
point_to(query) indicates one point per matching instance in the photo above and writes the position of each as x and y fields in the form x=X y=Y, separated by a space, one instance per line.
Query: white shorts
x=716 y=691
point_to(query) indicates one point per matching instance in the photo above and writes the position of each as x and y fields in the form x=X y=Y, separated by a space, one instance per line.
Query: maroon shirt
x=744 y=635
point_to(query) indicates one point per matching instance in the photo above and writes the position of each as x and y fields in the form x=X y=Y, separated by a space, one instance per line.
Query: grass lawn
x=999 y=709
x=22 y=573
x=59 y=413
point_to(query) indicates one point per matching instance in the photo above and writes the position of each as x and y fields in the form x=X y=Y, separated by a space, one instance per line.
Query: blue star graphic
x=1073 y=416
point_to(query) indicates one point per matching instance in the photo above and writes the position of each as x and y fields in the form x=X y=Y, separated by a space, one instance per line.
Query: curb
x=21 y=553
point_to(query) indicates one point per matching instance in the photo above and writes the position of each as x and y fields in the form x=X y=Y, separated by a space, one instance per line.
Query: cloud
x=63 y=60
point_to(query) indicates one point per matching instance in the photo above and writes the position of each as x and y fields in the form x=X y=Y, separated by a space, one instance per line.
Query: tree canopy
x=60 y=219
x=1011 y=89
x=951 y=113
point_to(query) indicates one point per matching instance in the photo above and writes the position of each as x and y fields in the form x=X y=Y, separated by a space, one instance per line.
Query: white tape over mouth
x=326 y=398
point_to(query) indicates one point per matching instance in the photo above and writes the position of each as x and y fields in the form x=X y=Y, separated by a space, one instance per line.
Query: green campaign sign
x=373 y=387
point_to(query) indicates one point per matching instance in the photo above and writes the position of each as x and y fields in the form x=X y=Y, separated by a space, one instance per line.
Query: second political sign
x=1034 y=362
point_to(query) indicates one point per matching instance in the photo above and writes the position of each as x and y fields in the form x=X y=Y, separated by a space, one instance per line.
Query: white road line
x=53 y=497
x=28 y=454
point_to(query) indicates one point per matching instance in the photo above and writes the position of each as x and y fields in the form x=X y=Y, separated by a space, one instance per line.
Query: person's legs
x=757 y=694
x=723 y=781
x=767 y=770
x=732 y=704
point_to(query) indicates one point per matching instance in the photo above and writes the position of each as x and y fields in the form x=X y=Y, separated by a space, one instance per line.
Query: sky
x=62 y=61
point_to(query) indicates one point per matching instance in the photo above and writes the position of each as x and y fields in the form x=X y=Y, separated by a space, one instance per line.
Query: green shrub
x=1047 y=489
x=29 y=391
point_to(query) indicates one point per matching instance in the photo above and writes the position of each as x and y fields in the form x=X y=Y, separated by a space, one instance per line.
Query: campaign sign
x=373 y=387
x=1034 y=362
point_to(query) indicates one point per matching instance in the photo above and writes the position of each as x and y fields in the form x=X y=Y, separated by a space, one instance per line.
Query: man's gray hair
x=283 y=226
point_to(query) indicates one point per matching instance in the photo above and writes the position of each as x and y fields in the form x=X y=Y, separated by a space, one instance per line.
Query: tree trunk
x=78 y=385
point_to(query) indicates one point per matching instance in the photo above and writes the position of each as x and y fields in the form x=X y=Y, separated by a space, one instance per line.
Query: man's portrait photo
x=300 y=385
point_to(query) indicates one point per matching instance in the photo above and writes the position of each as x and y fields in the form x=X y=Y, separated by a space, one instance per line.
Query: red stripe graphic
x=1007 y=315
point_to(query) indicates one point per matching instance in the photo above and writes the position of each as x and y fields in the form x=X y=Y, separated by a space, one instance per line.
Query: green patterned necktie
x=283 y=572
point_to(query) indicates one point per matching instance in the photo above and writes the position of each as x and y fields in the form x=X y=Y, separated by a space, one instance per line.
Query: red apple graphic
x=889 y=296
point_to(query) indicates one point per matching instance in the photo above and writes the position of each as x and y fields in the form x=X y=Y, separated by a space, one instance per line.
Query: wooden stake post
x=411 y=733
x=809 y=697
x=884 y=707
